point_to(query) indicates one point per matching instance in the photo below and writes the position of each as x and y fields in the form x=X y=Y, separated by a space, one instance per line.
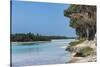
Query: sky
x=40 y=17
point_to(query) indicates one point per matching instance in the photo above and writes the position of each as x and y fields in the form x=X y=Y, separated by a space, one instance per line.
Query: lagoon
x=40 y=53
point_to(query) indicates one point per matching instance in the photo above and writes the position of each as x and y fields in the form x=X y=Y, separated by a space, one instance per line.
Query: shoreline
x=39 y=42
x=90 y=58
x=29 y=43
x=50 y=54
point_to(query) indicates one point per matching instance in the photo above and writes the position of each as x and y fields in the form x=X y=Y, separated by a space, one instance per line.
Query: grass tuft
x=75 y=43
x=84 y=52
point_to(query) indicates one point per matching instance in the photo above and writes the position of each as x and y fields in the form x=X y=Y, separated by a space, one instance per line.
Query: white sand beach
x=91 y=58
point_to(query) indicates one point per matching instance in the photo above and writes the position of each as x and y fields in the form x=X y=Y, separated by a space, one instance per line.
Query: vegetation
x=84 y=52
x=71 y=9
x=26 y=43
x=76 y=42
x=22 y=37
x=83 y=20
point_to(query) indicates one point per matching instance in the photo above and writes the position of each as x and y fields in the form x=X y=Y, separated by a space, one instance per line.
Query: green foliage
x=73 y=23
x=72 y=8
x=66 y=13
x=22 y=37
x=81 y=26
x=84 y=52
x=76 y=42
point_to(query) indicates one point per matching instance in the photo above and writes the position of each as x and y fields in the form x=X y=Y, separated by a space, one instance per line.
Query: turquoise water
x=40 y=53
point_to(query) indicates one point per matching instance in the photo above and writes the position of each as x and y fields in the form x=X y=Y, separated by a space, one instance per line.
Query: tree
x=83 y=20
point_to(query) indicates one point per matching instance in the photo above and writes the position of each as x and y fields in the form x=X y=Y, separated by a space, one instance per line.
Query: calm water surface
x=40 y=53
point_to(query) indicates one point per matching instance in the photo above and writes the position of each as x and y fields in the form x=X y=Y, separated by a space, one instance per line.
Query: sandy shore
x=63 y=47
x=91 y=58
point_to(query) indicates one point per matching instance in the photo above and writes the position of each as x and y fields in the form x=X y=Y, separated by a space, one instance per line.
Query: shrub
x=76 y=42
x=84 y=52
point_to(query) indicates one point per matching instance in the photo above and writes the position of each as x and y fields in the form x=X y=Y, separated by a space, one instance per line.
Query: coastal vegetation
x=28 y=37
x=83 y=20
x=84 y=52
x=74 y=43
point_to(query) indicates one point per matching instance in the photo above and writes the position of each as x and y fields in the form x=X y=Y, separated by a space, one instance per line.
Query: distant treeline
x=26 y=37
